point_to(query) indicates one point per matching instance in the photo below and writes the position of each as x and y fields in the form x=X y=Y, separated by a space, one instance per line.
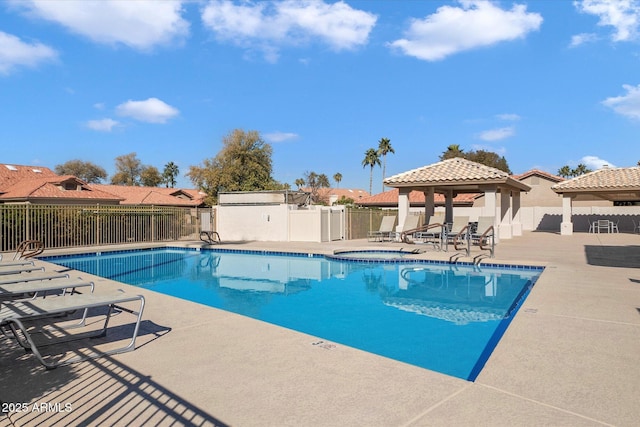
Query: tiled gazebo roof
x=459 y=174
x=607 y=183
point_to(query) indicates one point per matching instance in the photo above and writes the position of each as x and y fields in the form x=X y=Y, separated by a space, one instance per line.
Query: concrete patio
x=570 y=357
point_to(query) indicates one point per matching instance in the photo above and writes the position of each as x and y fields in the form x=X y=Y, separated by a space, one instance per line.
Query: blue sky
x=544 y=83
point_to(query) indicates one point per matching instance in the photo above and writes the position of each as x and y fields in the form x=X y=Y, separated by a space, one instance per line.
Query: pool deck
x=571 y=357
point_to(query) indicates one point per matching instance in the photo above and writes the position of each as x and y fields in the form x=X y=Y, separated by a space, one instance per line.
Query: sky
x=544 y=83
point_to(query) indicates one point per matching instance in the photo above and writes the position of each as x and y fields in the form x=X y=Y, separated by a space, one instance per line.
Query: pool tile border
x=304 y=255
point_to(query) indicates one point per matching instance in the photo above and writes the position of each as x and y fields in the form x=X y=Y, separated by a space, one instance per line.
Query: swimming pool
x=442 y=317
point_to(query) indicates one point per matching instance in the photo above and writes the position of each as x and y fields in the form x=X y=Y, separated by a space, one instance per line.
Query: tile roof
x=11 y=174
x=538 y=172
x=606 y=179
x=132 y=195
x=456 y=172
x=326 y=193
x=52 y=187
x=416 y=198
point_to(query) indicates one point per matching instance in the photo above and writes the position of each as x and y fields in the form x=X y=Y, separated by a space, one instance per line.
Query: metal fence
x=61 y=226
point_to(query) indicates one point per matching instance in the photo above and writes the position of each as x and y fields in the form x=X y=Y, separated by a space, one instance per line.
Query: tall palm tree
x=337 y=178
x=169 y=174
x=384 y=147
x=371 y=158
x=299 y=182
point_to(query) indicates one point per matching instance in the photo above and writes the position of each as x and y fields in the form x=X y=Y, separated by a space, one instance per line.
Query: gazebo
x=452 y=176
x=614 y=184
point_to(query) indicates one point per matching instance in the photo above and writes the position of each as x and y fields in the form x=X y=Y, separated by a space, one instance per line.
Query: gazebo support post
x=566 y=227
x=490 y=208
x=448 y=207
x=504 y=229
x=516 y=225
x=403 y=207
x=429 y=204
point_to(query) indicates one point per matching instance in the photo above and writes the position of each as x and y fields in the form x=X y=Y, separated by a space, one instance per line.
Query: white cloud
x=580 y=39
x=151 y=110
x=138 y=24
x=17 y=53
x=497 y=134
x=280 y=136
x=593 y=162
x=268 y=26
x=628 y=105
x=102 y=125
x=476 y=23
x=622 y=15
x=508 y=117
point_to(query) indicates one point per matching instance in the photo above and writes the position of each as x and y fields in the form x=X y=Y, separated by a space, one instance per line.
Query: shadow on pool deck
x=569 y=357
x=613 y=256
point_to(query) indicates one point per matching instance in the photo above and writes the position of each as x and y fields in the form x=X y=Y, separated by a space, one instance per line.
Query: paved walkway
x=571 y=357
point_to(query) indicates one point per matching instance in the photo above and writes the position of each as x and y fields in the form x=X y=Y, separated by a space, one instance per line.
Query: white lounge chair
x=14 y=315
x=17 y=269
x=385 y=230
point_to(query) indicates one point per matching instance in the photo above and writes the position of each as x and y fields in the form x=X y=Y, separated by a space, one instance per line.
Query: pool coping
x=569 y=357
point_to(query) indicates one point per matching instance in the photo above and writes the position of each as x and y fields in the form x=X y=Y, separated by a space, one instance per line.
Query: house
x=541 y=194
x=331 y=195
x=389 y=199
x=156 y=196
x=40 y=185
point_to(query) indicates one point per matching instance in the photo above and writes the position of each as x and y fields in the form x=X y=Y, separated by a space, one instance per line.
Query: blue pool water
x=442 y=317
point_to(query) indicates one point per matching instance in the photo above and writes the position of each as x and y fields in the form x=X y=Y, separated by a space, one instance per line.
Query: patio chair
x=17 y=269
x=30 y=277
x=34 y=289
x=458 y=231
x=385 y=230
x=484 y=236
x=602 y=224
x=636 y=226
x=14 y=315
x=28 y=249
x=430 y=232
x=408 y=228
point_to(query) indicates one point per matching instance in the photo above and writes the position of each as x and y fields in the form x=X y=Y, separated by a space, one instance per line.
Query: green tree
x=371 y=159
x=384 y=148
x=337 y=178
x=488 y=158
x=150 y=176
x=299 y=182
x=243 y=164
x=128 y=170
x=453 y=151
x=169 y=174
x=564 y=171
x=86 y=171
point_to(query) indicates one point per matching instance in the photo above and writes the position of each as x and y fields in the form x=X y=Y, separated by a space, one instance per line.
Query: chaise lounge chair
x=17 y=269
x=385 y=231
x=14 y=315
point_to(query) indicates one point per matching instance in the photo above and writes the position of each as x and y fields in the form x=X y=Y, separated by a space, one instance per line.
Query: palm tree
x=384 y=147
x=564 y=171
x=169 y=174
x=337 y=178
x=453 y=151
x=371 y=158
x=299 y=182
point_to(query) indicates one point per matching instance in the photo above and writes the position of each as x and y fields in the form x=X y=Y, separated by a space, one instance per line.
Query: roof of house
x=538 y=172
x=11 y=174
x=326 y=193
x=461 y=174
x=416 y=198
x=53 y=187
x=610 y=183
x=132 y=195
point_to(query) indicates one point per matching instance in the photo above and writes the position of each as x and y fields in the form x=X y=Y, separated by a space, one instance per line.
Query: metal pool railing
x=61 y=226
